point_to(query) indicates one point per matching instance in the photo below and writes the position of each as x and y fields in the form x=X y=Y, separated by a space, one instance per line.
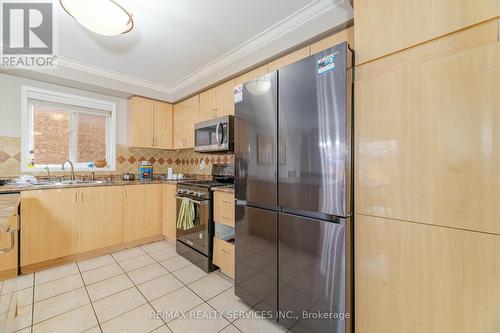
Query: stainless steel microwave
x=214 y=135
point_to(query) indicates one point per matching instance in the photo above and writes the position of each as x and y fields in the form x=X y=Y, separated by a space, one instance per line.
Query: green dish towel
x=187 y=215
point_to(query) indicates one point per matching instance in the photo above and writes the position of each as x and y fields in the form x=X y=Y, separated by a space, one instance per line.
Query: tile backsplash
x=127 y=159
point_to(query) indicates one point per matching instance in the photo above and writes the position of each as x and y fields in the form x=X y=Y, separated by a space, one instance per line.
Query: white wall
x=10 y=105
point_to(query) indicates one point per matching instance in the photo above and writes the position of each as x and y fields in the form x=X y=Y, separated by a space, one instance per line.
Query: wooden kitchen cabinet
x=169 y=211
x=186 y=114
x=223 y=256
x=252 y=75
x=9 y=247
x=142 y=215
x=49 y=225
x=289 y=59
x=346 y=35
x=224 y=208
x=149 y=123
x=217 y=102
x=100 y=217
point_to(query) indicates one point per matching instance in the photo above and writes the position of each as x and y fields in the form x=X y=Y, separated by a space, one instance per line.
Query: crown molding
x=304 y=15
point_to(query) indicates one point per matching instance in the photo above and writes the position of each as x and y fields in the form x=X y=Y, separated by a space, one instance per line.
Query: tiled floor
x=126 y=292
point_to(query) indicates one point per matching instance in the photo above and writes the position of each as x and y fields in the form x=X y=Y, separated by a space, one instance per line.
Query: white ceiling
x=180 y=46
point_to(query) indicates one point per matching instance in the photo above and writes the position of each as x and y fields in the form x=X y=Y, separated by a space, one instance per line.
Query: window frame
x=70 y=100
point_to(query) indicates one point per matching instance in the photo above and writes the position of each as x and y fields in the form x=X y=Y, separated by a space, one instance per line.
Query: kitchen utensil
x=128 y=176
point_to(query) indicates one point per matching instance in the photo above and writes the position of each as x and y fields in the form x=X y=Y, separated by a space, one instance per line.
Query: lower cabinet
x=169 y=211
x=100 y=217
x=8 y=249
x=49 y=225
x=142 y=214
x=223 y=256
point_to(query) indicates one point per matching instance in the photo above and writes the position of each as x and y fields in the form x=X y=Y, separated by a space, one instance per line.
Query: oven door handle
x=200 y=202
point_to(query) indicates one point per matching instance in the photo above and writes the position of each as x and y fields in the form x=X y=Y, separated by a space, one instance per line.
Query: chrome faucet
x=48 y=173
x=72 y=169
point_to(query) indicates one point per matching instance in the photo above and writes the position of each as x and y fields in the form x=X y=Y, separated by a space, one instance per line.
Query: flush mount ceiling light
x=104 y=17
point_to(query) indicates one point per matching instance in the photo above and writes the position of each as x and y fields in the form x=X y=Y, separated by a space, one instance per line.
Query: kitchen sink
x=70 y=182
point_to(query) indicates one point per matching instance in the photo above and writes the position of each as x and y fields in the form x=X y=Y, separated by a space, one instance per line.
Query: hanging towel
x=187 y=215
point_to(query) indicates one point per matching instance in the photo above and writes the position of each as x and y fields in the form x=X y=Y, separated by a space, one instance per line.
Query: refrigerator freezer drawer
x=314 y=266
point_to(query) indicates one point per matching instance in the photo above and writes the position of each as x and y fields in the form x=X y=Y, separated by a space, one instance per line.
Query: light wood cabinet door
x=186 y=114
x=142 y=213
x=9 y=247
x=169 y=211
x=289 y=59
x=346 y=35
x=163 y=125
x=415 y=278
x=224 y=99
x=140 y=122
x=100 y=217
x=207 y=105
x=224 y=256
x=387 y=26
x=49 y=225
x=224 y=208
x=252 y=75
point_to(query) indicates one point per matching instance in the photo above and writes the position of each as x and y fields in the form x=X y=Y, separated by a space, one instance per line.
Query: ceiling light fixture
x=103 y=17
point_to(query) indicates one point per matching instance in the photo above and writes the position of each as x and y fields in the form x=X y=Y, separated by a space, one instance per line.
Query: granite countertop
x=19 y=188
x=228 y=189
x=8 y=208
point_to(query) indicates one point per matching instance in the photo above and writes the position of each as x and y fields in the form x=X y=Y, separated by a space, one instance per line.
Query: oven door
x=197 y=237
x=214 y=135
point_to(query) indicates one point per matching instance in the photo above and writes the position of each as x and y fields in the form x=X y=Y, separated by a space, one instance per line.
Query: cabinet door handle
x=226 y=251
x=12 y=241
x=76 y=197
x=226 y=201
x=82 y=196
x=125 y=192
x=226 y=218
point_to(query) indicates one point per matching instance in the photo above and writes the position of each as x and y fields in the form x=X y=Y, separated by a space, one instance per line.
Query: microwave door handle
x=221 y=135
x=217 y=134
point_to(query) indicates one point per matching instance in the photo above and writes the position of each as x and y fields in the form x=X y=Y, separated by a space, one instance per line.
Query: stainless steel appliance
x=293 y=192
x=214 y=135
x=196 y=243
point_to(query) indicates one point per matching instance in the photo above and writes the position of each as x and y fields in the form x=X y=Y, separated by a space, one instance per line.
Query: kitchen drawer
x=224 y=208
x=224 y=256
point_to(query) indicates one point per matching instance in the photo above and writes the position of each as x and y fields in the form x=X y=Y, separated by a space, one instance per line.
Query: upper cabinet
x=149 y=123
x=346 y=35
x=289 y=59
x=217 y=102
x=186 y=114
x=387 y=26
x=252 y=75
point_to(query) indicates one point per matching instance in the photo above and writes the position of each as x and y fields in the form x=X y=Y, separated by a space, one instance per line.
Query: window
x=59 y=127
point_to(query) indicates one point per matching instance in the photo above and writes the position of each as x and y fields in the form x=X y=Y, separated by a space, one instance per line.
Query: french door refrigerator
x=293 y=193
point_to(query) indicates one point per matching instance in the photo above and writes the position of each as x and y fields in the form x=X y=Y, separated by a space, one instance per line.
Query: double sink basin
x=70 y=183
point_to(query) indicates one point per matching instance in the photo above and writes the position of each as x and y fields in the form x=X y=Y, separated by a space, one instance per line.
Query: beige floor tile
x=57 y=287
x=137 y=262
x=21 y=321
x=175 y=263
x=176 y=302
x=209 y=286
x=189 y=274
x=136 y=321
x=230 y=329
x=152 y=247
x=95 y=329
x=164 y=254
x=254 y=323
x=93 y=263
x=163 y=329
x=230 y=305
x=16 y=284
x=109 y=287
x=75 y=321
x=101 y=273
x=147 y=273
x=117 y=304
x=57 y=305
x=159 y=286
x=25 y=330
x=200 y=319
x=24 y=297
x=55 y=273
x=128 y=254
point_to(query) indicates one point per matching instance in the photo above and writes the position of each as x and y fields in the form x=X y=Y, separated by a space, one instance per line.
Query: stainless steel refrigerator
x=294 y=232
